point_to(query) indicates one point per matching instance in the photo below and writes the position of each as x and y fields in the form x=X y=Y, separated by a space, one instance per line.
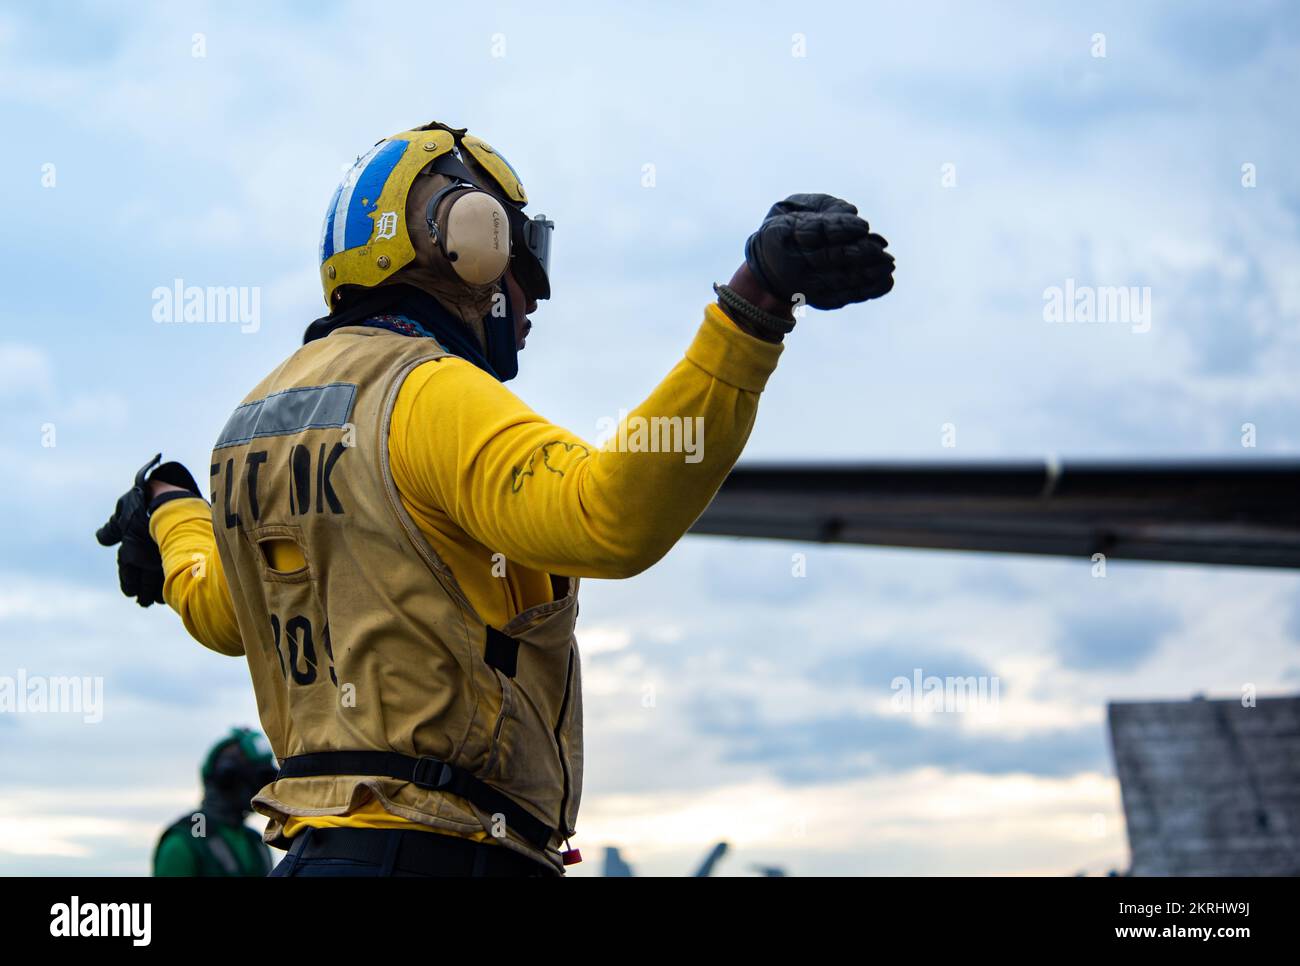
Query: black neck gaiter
x=369 y=306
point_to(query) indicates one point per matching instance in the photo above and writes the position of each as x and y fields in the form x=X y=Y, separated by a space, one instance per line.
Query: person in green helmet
x=214 y=841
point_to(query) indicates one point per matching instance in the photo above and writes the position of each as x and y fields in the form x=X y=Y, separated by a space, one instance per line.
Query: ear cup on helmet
x=375 y=224
x=468 y=232
x=476 y=237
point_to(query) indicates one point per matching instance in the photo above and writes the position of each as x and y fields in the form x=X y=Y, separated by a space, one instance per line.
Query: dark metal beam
x=1244 y=513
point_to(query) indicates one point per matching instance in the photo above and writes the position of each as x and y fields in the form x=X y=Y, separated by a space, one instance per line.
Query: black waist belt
x=423 y=772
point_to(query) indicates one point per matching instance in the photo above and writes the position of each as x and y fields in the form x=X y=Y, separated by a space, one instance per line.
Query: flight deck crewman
x=214 y=841
x=395 y=540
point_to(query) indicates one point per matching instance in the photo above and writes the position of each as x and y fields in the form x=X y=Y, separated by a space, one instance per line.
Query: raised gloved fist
x=817 y=246
x=139 y=564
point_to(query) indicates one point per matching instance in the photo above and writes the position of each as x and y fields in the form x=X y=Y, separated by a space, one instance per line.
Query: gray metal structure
x=1210 y=788
x=1241 y=512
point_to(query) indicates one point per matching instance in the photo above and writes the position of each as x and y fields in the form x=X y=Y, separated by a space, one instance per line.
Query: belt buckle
x=430 y=773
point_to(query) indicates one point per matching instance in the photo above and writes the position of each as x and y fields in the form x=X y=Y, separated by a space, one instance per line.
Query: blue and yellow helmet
x=365 y=238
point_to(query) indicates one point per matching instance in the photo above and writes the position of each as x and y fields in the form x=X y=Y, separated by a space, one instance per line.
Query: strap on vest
x=220 y=851
x=501 y=652
x=424 y=772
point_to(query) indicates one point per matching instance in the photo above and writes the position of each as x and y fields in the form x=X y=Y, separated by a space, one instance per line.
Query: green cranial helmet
x=243 y=756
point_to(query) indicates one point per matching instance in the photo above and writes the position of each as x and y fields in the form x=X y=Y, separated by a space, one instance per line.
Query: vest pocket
x=536 y=757
x=563 y=729
x=499 y=726
x=278 y=553
x=526 y=760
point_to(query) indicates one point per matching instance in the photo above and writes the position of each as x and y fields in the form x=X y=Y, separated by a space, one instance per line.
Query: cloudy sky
x=996 y=148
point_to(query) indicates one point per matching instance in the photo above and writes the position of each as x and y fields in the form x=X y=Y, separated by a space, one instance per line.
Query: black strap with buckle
x=424 y=772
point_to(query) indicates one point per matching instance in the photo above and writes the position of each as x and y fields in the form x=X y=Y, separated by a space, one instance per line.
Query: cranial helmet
x=442 y=205
x=242 y=757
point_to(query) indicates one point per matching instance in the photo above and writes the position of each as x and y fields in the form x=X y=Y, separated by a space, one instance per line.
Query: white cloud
x=913 y=823
x=55 y=601
x=62 y=836
x=604 y=639
x=25 y=371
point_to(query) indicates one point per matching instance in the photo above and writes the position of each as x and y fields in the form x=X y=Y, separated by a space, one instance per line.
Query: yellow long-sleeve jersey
x=507 y=498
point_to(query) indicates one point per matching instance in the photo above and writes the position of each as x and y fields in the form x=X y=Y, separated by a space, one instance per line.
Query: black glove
x=817 y=246
x=139 y=564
